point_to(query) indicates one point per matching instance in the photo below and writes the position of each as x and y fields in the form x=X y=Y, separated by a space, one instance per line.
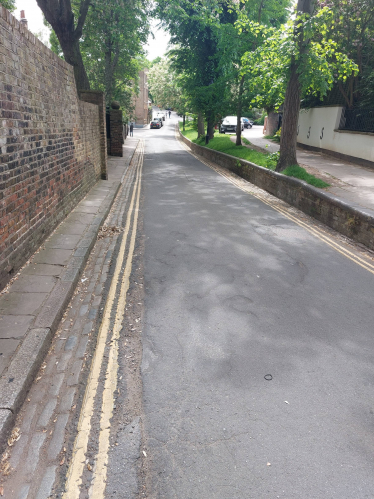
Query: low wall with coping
x=318 y=131
x=352 y=222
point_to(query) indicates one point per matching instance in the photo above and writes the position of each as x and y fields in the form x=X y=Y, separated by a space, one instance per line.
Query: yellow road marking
x=313 y=230
x=76 y=467
x=99 y=481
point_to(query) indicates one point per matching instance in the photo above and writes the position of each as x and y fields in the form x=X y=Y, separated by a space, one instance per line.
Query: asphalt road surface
x=220 y=345
x=258 y=345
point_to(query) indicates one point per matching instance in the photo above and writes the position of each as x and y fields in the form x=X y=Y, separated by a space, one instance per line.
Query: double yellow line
x=276 y=205
x=78 y=462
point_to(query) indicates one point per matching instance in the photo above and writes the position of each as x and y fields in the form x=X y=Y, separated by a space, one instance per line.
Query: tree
x=112 y=45
x=167 y=87
x=296 y=61
x=60 y=15
x=305 y=9
x=8 y=4
x=235 y=42
x=354 y=32
x=191 y=26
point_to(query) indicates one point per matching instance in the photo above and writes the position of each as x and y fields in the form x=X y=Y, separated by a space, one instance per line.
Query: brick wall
x=49 y=139
x=116 y=132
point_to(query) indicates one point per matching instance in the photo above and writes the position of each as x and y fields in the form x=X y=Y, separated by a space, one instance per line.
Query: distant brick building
x=141 y=101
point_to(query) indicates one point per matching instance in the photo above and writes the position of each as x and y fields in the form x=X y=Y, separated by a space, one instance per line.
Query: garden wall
x=50 y=141
x=318 y=130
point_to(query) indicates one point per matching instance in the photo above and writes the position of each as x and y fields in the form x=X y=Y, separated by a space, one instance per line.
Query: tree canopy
x=8 y=4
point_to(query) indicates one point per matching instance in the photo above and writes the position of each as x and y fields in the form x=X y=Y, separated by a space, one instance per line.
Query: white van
x=229 y=124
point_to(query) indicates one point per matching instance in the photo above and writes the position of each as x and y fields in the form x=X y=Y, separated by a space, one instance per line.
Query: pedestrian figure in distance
x=131 y=129
x=169 y=113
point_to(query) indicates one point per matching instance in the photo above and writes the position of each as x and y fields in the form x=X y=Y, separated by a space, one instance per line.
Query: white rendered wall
x=323 y=122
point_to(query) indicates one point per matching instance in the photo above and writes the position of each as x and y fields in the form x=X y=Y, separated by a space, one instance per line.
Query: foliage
x=111 y=46
x=297 y=171
x=9 y=4
x=319 y=67
x=114 y=34
x=67 y=20
x=166 y=86
x=260 y=121
x=353 y=31
x=273 y=159
x=224 y=144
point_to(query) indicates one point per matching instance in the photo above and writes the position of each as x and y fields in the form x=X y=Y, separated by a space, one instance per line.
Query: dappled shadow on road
x=236 y=291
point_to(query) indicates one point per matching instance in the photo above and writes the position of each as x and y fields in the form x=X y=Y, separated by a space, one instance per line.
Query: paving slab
x=76 y=217
x=14 y=326
x=87 y=209
x=70 y=227
x=53 y=256
x=34 y=284
x=7 y=350
x=21 y=303
x=63 y=241
x=43 y=269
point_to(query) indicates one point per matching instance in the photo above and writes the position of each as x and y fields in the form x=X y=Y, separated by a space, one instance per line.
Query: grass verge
x=222 y=143
x=300 y=173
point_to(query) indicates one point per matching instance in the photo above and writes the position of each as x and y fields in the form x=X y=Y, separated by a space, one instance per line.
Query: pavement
x=352 y=183
x=33 y=303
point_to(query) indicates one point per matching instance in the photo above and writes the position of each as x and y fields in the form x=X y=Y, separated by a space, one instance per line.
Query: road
x=235 y=353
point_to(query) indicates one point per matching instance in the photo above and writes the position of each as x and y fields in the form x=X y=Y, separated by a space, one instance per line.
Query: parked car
x=159 y=120
x=161 y=116
x=229 y=124
x=247 y=122
x=155 y=123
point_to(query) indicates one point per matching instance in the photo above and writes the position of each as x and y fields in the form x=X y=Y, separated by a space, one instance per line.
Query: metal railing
x=357 y=120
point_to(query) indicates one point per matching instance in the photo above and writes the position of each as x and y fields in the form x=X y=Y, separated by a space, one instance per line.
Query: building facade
x=142 y=101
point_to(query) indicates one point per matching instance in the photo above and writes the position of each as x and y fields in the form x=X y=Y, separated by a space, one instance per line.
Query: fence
x=357 y=120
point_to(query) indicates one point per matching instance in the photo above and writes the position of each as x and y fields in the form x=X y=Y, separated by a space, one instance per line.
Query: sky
x=33 y=15
x=156 y=46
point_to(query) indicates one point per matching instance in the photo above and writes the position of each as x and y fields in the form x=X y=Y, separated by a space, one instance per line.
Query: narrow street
x=219 y=345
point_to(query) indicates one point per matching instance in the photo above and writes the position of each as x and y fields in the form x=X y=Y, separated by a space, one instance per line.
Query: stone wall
x=50 y=144
x=354 y=223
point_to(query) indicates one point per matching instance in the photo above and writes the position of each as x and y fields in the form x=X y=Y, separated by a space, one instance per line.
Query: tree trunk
x=184 y=122
x=209 y=126
x=73 y=56
x=272 y=123
x=290 y=120
x=61 y=17
x=239 y=113
x=200 y=126
x=293 y=95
